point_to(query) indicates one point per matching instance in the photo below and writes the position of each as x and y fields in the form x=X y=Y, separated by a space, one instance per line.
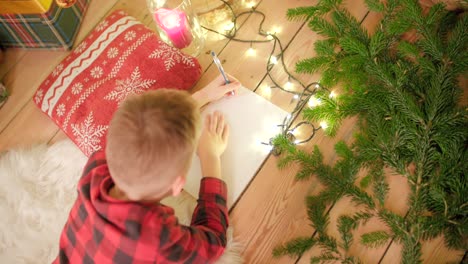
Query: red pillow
x=120 y=57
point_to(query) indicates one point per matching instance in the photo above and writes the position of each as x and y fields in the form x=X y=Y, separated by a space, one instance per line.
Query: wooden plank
x=29 y=127
x=10 y=58
x=59 y=136
x=36 y=65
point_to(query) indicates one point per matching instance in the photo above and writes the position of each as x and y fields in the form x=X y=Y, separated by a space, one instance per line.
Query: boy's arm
x=216 y=90
x=204 y=241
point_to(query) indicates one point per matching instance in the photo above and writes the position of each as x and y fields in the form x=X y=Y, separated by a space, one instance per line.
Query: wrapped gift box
x=56 y=29
x=24 y=6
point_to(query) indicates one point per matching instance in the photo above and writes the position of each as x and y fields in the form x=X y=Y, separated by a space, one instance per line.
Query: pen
x=220 y=68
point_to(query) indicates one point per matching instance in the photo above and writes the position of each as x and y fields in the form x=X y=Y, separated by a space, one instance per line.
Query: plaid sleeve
x=205 y=239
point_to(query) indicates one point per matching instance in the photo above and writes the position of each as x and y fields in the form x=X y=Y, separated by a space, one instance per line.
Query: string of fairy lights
x=306 y=95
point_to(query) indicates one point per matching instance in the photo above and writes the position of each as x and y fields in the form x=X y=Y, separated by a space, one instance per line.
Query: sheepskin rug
x=37 y=190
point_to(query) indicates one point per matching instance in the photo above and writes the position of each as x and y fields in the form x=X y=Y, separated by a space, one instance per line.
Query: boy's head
x=150 y=143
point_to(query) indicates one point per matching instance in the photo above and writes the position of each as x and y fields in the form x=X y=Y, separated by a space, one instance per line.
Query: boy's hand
x=212 y=144
x=216 y=90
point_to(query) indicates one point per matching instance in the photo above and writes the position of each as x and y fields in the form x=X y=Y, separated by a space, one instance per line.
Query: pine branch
x=395 y=222
x=295 y=247
x=324 y=48
x=323 y=258
x=346 y=224
x=411 y=253
x=406 y=96
x=328 y=243
x=375 y=239
x=313 y=65
x=317 y=215
x=457 y=41
x=353 y=46
x=378 y=43
x=375 y=5
x=323 y=27
x=301 y=13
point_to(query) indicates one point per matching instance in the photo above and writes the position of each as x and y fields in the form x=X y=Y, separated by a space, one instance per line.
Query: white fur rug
x=37 y=190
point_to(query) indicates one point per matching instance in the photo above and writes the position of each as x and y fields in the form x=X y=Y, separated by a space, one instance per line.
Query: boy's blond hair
x=151 y=140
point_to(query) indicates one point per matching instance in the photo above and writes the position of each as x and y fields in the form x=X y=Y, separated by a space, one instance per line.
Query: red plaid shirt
x=101 y=229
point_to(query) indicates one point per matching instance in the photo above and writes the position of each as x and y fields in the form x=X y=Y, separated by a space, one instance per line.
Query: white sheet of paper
x=252 y=120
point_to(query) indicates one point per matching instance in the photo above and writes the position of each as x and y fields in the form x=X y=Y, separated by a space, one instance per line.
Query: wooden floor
x=272 y=209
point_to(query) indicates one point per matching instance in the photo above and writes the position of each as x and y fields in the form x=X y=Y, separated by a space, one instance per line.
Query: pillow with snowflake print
x=120 y=57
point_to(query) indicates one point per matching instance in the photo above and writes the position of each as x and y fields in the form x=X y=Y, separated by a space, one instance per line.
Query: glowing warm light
x=317 y=86
x=332 y=94
x=276 y=29
x=296 y=97
x=172 y=20
x=288 y=85
x=269 y=36
x=251 y=52
x=250 y=4
x=314 y=101
x=229 y=26
x=274 y=60
x=288 y=116
x=266 y=91
x=295 y=132
x=297 y=141
x=324 y=125
x=175 y=25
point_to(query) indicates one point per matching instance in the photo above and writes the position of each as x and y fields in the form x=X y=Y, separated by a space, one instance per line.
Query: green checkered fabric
x=55 y=30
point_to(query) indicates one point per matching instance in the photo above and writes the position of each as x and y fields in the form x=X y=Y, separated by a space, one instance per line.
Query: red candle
x=175 y=24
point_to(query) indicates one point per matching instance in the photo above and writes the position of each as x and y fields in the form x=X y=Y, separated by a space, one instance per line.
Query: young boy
x=118 y=217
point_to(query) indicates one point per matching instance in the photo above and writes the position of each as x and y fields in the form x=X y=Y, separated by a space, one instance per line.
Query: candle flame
x=171 y=21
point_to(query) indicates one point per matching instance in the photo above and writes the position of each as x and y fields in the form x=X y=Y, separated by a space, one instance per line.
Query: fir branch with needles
x=407 y=97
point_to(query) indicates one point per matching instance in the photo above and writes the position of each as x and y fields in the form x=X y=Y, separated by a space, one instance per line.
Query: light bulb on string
x=297 y=141
x=296 y=96
x=288 y=85
x=266 y=91
x=317 y=86
x=314 y=101
x=229 y=26
x=332 y=94
x=273 y=60
x=251 y=52
x=296 y=132
x=250 y=4
x=323 y=125
x=276 y=29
